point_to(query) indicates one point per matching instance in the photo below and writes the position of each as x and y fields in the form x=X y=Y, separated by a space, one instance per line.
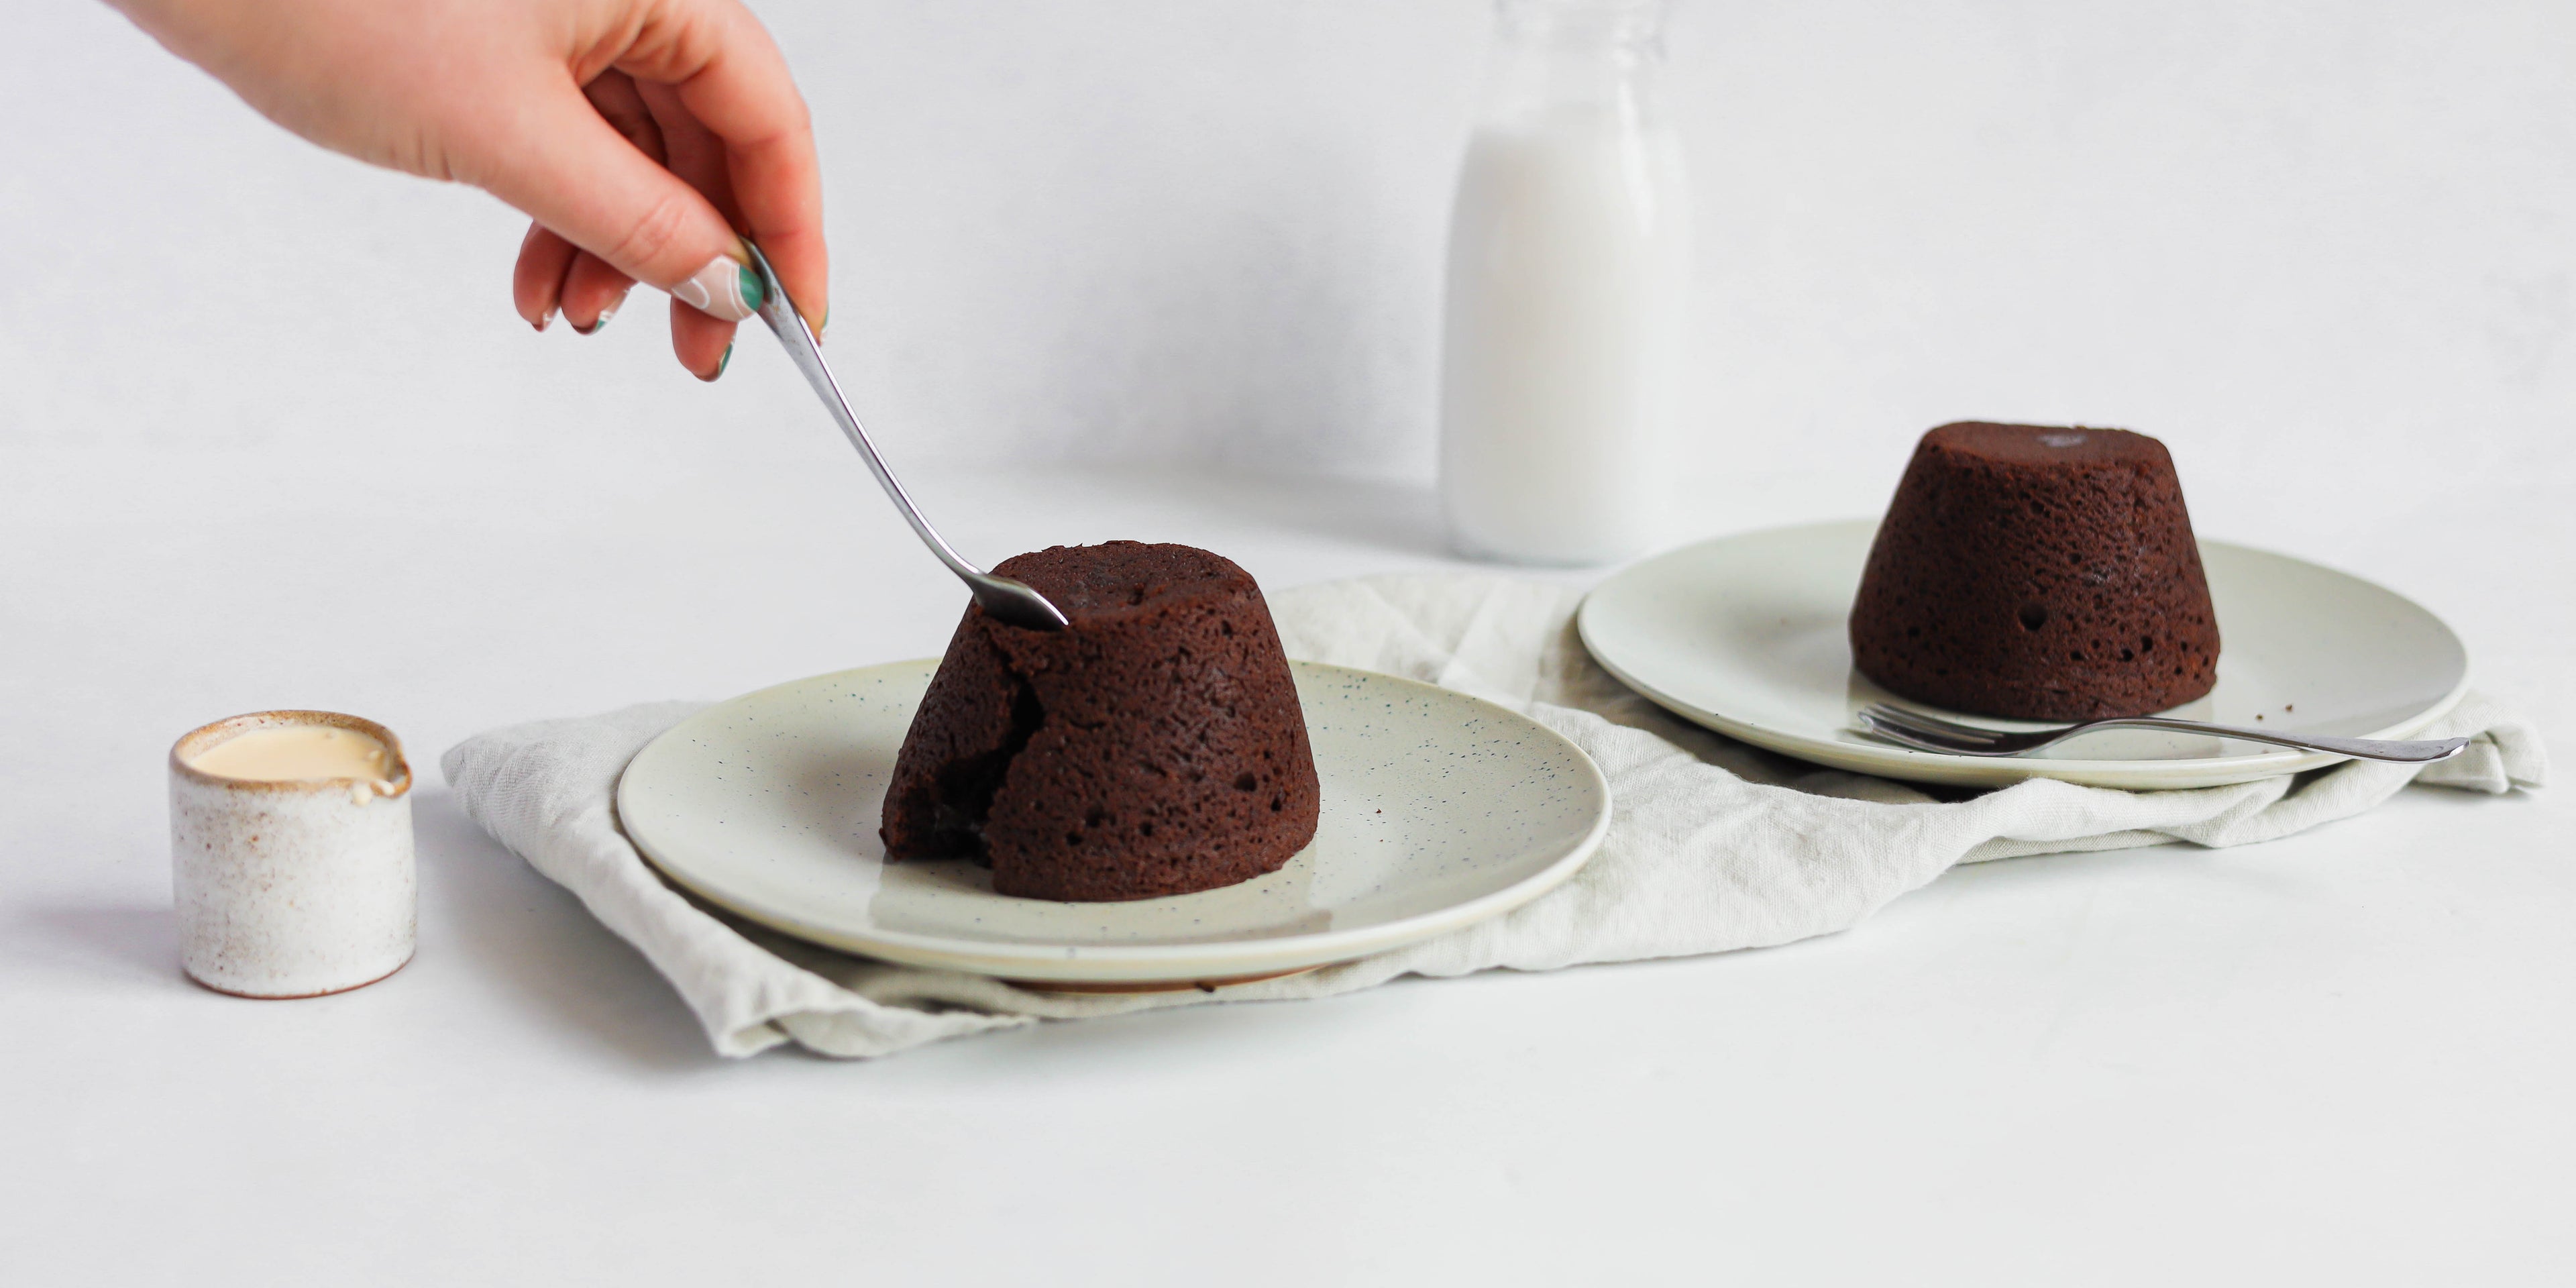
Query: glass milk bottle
x=1569 y=272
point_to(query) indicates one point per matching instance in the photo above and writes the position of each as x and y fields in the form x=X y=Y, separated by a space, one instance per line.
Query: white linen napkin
x=1712 y=846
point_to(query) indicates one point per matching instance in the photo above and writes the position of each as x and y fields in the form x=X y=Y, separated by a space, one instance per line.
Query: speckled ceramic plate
x=1440 y=810
x=1746 y=635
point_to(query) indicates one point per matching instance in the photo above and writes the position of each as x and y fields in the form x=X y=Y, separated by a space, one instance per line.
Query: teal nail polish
x=722 y=363
x=753 y=293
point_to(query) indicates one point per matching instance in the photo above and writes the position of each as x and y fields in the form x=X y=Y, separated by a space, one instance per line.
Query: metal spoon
x=1932 y=733
x=1011 y=601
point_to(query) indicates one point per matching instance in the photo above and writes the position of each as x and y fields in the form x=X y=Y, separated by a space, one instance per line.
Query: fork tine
x=1878 y=720
x=1898 y=717
x=1890 y=733
x=1876 y=717
x=1925 y=720
x=1903 y=736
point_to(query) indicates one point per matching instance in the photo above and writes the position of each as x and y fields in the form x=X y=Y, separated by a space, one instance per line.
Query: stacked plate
x=1440 y=810
x=1745 y=635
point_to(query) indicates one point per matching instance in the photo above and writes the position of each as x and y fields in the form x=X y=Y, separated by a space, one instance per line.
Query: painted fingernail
x=598 y=322
x=721 y=364
x=542 y=323
x=722 y=289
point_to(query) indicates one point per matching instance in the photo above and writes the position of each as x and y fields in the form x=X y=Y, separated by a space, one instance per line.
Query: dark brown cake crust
x=2038 y=573
x=1154 y=748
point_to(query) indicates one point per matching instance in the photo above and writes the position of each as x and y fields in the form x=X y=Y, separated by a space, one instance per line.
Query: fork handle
x=2361 y=748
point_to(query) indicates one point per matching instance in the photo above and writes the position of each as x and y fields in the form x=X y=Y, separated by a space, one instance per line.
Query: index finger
x=731 y=77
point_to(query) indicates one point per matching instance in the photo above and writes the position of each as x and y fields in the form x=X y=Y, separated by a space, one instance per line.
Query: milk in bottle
x=1569 y=266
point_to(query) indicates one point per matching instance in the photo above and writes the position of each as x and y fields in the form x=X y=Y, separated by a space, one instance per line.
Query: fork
x=1932 y=733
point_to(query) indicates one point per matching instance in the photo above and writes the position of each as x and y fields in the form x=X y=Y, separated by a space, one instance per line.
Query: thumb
x=569 y=169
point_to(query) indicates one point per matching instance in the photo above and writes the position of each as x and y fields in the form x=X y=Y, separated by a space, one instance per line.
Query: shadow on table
x=538 y=948
x=122 y=943
x=483 y=913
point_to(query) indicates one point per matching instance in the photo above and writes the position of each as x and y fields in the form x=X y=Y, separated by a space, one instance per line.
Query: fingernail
x=722 y=289
x=598 y=322
x=721 y=364
x=542 y=323
x=823 y=326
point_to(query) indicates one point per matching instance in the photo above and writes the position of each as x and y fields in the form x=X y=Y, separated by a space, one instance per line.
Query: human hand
x=640 y=135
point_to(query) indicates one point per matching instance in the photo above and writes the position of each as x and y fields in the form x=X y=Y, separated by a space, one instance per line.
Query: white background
x=270 y=436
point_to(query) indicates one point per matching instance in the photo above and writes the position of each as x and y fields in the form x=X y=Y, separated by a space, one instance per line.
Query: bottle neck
x=1553 y=56
x=1594 y=28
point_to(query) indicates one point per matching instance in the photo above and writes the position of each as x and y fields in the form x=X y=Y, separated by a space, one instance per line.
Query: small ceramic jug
x=291 y=888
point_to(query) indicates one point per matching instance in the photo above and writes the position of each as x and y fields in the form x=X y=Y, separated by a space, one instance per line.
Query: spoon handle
x=1014 y=602
x=780 y=313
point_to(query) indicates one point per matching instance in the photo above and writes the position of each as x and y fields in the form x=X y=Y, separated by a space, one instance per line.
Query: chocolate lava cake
x=1153 y=748
x=2038 y=573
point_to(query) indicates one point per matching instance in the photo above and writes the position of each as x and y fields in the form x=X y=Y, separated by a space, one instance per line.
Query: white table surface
x=268 y=437
x=2343 y=1054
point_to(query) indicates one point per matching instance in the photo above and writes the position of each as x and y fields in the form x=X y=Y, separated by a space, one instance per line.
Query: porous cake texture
x=2037 y=572
x=1155 y=747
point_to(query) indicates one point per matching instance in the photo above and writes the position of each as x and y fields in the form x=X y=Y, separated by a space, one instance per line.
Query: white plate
x=1439 y=810
x=1745 y=635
